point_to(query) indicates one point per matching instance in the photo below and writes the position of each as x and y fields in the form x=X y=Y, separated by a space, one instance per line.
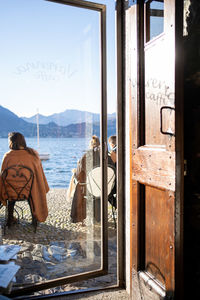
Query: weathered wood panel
x=131 y=66
x=154 y=166
x=159 y=235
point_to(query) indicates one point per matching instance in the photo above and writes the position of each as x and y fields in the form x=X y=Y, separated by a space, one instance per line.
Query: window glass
x=51 y=93
x=154 y=18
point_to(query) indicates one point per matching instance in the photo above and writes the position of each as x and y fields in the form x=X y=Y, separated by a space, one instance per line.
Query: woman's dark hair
x=17 y=142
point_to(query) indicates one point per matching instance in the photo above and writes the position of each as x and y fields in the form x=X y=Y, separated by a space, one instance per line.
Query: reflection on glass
x=50 y=60
x=159 y=84
x=154 y=18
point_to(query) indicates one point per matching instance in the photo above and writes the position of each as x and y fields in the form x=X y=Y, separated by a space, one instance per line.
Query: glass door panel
x=53 y=91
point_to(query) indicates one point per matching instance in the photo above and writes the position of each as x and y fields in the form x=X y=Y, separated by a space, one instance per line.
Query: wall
x=192 y=148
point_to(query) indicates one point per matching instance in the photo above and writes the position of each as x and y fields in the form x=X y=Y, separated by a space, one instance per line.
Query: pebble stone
x=59 y=247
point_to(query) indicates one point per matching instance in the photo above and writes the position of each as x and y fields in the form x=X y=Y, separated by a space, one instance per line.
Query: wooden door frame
x=179 y=146
x=121 y=136
x=136 y=218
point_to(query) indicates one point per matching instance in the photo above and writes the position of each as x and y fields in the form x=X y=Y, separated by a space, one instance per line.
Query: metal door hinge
x=185 y=167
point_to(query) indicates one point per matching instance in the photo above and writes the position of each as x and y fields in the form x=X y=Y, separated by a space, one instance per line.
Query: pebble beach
x=59 y=247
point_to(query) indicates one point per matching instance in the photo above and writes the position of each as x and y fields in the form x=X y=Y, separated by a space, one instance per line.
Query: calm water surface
x=64 y=154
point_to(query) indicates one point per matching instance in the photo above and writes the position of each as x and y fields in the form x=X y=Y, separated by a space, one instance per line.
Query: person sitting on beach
x=88 y=161
x=20 y=154
x=112 y=158
x=112 y=140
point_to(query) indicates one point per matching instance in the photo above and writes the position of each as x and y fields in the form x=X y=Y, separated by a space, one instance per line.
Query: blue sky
x=50 y=57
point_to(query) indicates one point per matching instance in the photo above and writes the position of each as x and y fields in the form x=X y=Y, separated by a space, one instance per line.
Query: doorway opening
x=59 y=68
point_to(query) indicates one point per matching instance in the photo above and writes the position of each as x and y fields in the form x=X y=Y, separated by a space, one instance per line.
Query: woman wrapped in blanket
x=20 y=154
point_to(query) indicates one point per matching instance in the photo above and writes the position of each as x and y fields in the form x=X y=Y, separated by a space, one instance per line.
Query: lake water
x=64 y=154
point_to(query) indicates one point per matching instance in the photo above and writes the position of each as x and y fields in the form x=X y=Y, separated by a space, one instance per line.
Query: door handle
x=169 y=131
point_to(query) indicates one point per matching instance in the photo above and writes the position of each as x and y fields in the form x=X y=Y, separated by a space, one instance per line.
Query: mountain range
x=69 y=116
x=75 y=123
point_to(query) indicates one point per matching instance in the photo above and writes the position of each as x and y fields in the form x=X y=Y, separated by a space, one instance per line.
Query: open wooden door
x=156 y=149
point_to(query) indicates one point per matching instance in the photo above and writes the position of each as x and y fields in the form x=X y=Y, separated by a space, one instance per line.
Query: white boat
x=43 y=156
